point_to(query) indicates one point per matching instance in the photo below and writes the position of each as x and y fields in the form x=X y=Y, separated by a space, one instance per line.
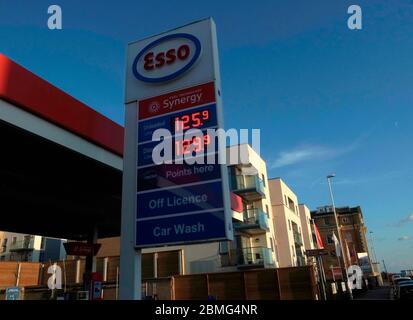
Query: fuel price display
x=197 y=118
x=189 y=146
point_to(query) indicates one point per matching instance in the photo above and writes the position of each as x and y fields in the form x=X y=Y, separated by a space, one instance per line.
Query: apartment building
x=31 y=248
x=254 y=244
x=287 y=224
x=353 y=232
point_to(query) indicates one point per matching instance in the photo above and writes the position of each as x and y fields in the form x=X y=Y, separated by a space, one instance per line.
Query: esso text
x=152 y=61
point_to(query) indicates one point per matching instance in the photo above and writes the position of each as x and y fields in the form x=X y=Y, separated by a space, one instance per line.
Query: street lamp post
x=385 y=268
x=329 y=177
x=373 y=251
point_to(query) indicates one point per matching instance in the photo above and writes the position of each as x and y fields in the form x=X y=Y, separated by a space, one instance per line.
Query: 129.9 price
x=195 y=144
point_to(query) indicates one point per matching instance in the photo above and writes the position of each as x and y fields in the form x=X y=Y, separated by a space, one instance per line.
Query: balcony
x=255 y=222
x=245 y=258
x=23 y=245
x=251 y=188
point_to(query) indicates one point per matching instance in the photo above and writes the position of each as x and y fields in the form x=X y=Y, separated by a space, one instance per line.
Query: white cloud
x=310 y=152
x=299 y=154
x=408 y=218
x=369 y=179
x=404 y=238
x=405 y=220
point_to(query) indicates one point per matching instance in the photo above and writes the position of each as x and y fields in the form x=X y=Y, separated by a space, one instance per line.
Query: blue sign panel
x=177 y=201
x=13 y=293
x=169 y=175
x=207 y=196
x=198 y=118
x=145 y=153
x=187 y=228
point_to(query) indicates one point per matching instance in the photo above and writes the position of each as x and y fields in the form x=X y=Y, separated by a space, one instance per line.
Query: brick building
x=353 y=233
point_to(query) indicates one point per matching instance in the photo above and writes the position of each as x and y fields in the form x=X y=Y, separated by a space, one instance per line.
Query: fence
x=19 y=274
x=262 y=284
x=296 y=283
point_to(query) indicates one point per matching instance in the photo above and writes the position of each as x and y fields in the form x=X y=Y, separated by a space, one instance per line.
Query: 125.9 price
x=191 y=120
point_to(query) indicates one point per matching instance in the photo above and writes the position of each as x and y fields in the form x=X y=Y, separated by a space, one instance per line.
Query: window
x=330 y=239
x=344 y=220
x=13 y=240
x=267 y=210
x=43 y=244
x=223 y=247
x=349 y=237
x=263 y=180
x=276 y=253
x=293 y=250
x=291 y=204
x=272 y=244
x=328 y=221
x=286 y=201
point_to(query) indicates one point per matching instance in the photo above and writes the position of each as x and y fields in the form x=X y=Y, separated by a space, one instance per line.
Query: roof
x=339 y=210
x=62 y=172
x=24 y=89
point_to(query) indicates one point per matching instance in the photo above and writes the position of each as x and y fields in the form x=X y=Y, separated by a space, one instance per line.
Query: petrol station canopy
x=61 y=161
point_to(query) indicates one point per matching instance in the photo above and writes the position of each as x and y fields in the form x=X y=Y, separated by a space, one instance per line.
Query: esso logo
x=152 y=61
x=167 y=58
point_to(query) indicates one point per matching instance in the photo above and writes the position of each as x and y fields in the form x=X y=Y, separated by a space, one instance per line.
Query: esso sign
x=167 y=58
x=152 y=61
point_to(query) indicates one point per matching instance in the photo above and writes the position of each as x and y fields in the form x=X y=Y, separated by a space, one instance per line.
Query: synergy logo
x=178 y=100
x=167 y=58
x=154 y=107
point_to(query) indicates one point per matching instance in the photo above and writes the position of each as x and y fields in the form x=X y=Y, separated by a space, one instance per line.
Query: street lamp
x=329 y=177
x=373 y=251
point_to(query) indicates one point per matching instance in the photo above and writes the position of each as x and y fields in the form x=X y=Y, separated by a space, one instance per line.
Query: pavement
x=379 y=293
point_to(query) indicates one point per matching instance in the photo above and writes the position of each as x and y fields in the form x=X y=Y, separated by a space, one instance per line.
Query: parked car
x=407 y=273
x=394 y=276
x=405 y=291
x=397 y=282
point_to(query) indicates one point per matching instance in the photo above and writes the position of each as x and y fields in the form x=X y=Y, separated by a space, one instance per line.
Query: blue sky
x=326 y=98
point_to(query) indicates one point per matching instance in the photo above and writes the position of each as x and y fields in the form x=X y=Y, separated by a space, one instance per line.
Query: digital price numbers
x=188 y=146
x=195 y=119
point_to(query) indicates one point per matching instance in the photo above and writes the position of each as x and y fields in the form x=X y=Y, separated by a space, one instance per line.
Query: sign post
x=173 y=85
x=81 y=248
